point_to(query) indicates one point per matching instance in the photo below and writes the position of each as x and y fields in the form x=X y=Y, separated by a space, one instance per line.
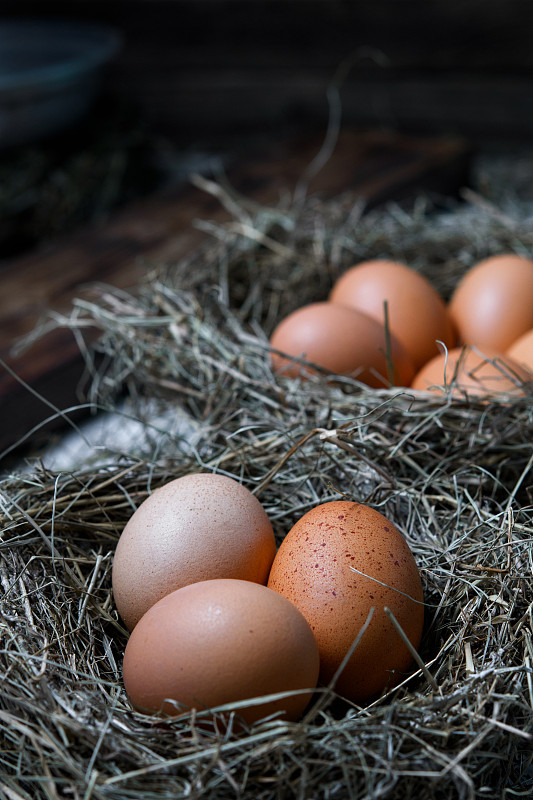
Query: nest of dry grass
x=191 y=349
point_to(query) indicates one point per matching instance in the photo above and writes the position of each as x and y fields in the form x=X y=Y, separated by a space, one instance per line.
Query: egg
x=194 y=528
x=221 y=641
x=417 y=314
x=467 y=371
x=340 y=560
x=341 y=340
x=492 y=304
x=522 y=350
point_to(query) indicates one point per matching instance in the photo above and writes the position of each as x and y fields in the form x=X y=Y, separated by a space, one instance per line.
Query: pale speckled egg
x=522 y=350
x=194 y=528
x=492 y=304
x=417 y=315
x=465 y=371
x=340 y=560
x=217 y=642
x=343 y=341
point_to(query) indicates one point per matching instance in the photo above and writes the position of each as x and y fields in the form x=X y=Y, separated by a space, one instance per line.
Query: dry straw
x=454 y=476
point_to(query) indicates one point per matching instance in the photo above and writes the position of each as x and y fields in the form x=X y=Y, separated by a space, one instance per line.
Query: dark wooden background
x=432 y=81
x=206 y=70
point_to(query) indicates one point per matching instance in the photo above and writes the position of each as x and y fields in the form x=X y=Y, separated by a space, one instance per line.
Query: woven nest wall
x=189 y=348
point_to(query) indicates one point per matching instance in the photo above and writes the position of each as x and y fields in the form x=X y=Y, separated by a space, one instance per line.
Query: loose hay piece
x=454 y=476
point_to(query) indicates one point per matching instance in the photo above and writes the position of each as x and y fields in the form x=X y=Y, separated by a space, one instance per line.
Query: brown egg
x=467 y=371
x=343 y=341
x=522 y=350
x=217 y=642
x=194 y=528
x=492 y=304
x=417 y=314
x=313 y=569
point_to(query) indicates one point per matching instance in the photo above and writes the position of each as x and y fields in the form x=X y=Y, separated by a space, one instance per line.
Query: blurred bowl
x=50 y=75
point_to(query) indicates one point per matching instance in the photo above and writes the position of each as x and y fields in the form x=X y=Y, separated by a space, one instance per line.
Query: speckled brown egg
x=340 y=560
x=342 y=341
x=492 y=304
x=217 y=642
x=195 y=528
x=417 y=314
x=466 y=371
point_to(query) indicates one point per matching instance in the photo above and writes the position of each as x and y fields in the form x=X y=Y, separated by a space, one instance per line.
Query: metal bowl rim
x=98 y=44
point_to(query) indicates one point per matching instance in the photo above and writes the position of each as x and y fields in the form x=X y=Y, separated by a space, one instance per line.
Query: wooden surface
x=378 y=166
x=200 y=69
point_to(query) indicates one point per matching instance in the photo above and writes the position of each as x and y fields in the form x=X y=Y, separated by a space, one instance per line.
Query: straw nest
x=190 y=347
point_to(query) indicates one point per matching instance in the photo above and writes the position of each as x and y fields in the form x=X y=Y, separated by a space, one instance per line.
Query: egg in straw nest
x=451 y=471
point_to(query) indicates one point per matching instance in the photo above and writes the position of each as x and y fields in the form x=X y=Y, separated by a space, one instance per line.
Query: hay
x=453 y=475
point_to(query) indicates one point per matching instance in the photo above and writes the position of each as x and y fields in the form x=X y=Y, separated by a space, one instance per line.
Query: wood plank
x=378 y=166
x=212 y=104
x=202 y=69
x=412 y=34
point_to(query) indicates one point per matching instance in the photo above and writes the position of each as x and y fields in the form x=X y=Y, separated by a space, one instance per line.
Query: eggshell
x=313 y=569
x=417 y=314
x=492 y=304
x=343 y=341
x=221 y=641
x=194 y=528
x=467 y=371
x=522 y=350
